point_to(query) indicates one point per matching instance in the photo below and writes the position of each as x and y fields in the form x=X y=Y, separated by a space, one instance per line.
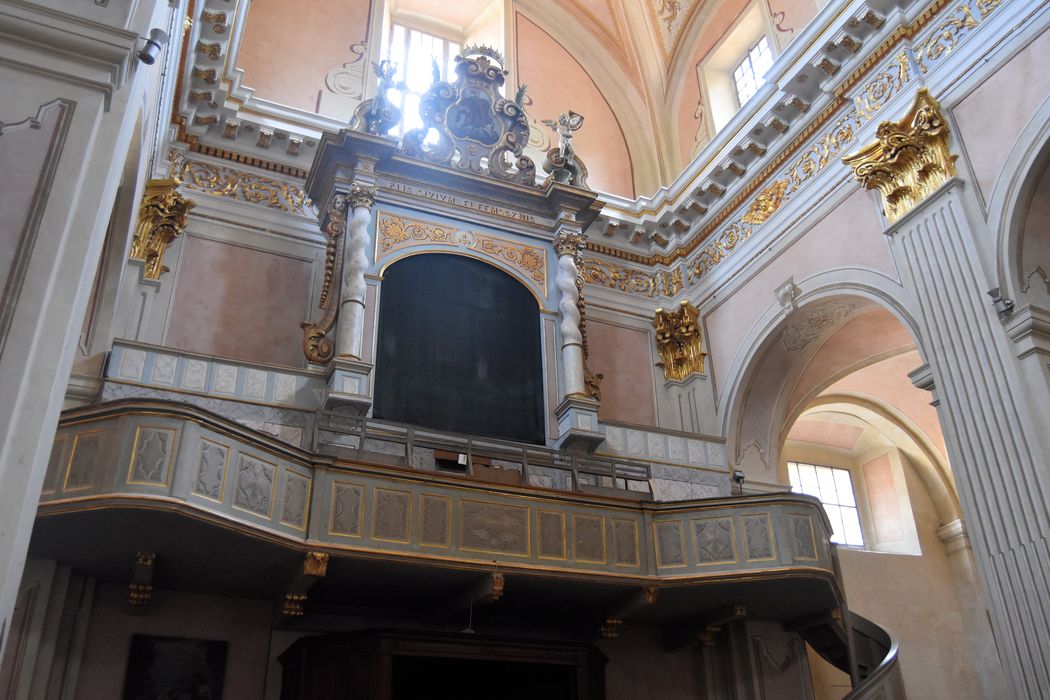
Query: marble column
x=567 y=244
x=989 y=427
x=350 y=332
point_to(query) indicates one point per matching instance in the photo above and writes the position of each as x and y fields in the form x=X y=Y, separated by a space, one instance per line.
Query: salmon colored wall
x=849 y=236
x=557 y=83
x=239 y=303
x=713 y=32
x=919 y=604
x=882 y=499
x=789 y=18
x=318 y=33
x=988 y=131
x=624 y=357
x=887 y=381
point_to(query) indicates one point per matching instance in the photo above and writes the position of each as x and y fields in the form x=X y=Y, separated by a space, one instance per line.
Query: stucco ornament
x=561 y=162
x=477 y=129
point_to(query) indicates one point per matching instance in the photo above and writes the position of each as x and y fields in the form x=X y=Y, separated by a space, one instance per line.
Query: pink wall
x=789 y=18
x=988 y=131
x=869 y=334
x=318 y=33
x=557 y=83
x=822 y=432
x=882 y=499
x=243 y=623
x=239 y=303
x=625 y=357
x=848 y=236
x=887 y=381
x=713 y=32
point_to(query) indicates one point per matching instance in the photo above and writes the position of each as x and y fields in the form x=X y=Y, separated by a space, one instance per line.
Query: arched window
x=459 y=349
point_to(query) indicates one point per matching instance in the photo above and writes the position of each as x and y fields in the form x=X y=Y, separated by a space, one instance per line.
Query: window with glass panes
x=415 y=53
x=834 y=488
x=747 y=77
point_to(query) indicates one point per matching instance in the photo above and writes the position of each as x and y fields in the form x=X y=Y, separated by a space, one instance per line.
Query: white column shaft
x=351 y=329
x=571 y=338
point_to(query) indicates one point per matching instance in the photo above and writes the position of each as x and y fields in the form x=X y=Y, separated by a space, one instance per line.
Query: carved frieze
x=221 y=181
x=346 y=509
x=625 y=542
x=909 y=159
x=588 y=538
x=294 y=500
x=211 y=470
x=670 y=543
x=551 y=526
x=714 y=540
x=151 y=456
x=162 y=217
x=435 y=520
x=391 y=512
x=397 y=233
x=758 y=537
x=492 y=527
x=86 y=452
x=678 y=338
x=253 y=486
x=802 y=536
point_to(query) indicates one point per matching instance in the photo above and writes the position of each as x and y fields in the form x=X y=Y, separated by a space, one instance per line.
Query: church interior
x=563 y=349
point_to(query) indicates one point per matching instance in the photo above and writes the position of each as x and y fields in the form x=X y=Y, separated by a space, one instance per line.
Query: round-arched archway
x=459 y=349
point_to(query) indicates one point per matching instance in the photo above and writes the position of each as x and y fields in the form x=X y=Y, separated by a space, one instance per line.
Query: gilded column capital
x=163 y=215
x=909 y=159
x=362 y=195
x=678 y=338
x=568 y=242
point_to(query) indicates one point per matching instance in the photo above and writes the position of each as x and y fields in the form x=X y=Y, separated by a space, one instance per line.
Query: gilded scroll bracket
x=163 y=215
x=678 y=338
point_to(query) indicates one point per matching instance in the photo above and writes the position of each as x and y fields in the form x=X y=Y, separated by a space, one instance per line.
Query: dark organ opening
x=459 y=349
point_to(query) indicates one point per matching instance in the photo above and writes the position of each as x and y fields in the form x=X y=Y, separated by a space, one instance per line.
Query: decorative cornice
x=909 y=160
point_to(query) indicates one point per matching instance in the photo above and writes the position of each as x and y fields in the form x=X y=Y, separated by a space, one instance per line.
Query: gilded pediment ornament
x=909 y=160
x=162 y=217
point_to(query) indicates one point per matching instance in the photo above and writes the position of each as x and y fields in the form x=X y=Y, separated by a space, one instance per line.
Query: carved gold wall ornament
x=766 y=203
x=246 y=187
x=292 y=604
x=317 y=346
x=569 y=243
x=678 y=338
x=396 y=233
x=162 y=217
x=316 y=564
x=909 y=160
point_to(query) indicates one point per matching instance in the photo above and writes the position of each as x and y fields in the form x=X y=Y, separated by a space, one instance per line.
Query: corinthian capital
x=362 y=195
x=569 y=242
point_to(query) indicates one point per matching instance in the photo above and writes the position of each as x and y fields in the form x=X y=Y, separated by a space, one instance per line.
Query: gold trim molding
x=909 y=160
x=678 y=337
x=396 y=233
x=162 y=217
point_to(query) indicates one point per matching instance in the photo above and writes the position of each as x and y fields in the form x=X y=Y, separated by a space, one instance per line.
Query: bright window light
x=748 y=74
x=834 y=488
x=415 y=52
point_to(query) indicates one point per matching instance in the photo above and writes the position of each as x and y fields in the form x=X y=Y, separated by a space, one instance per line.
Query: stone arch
x=765 y=383
x=1025 y=175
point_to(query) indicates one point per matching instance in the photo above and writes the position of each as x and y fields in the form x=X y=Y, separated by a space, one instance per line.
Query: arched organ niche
x=452 y=265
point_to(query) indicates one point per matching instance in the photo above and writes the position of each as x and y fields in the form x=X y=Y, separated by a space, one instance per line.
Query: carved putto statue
x=378 y=115
x=561 y=162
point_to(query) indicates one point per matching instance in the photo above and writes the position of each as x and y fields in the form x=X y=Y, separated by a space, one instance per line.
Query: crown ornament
x=484 y=50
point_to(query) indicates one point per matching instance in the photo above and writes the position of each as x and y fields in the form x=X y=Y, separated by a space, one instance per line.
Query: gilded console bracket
x=678 y=338
x=909 y=160
x=162 y=217
x=317 y=346
x=315 y=566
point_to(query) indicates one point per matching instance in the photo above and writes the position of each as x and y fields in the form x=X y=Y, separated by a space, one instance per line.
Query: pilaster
x=989 y=428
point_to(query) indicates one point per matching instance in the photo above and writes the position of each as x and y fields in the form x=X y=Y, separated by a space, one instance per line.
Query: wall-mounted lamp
x=156 y=42
x=738 y=482
x=1003 y=307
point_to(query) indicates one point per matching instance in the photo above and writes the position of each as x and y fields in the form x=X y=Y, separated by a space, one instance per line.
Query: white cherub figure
x=566 y=124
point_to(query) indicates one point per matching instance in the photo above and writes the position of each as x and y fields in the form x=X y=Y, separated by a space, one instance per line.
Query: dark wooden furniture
x=403 y=665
